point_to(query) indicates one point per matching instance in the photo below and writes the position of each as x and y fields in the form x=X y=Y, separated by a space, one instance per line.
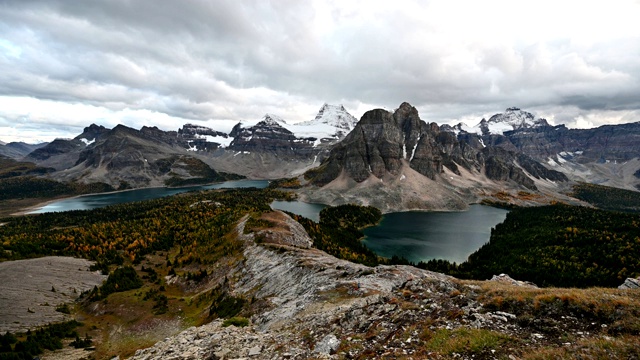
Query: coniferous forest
x=557 y=245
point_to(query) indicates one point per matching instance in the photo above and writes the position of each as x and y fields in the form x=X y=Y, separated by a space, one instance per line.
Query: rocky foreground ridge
x=307 y=304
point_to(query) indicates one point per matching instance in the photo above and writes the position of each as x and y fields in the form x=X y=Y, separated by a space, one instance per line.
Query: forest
x=339 y=232
x=27 y=346
x=27 y=186
x=556 y=245
x=608 y=198
x=139 y=244
x=195 y=222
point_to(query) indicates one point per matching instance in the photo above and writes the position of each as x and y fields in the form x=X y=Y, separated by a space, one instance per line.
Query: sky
x=65 y=64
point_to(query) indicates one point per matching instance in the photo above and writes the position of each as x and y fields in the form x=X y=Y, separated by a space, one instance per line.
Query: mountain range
x=393 y=160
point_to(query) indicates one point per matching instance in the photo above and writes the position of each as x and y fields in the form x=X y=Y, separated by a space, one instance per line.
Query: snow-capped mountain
x=333 y=115
x=512 y=119
x=331 y=124
x=271 y=136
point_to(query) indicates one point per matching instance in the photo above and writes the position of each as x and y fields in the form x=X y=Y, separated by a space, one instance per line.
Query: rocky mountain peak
x=270 y=135
x=124 y=130
x=91 y=132
x=512 y=119
x=388 y=148
x=333 y=115
x=273 y=120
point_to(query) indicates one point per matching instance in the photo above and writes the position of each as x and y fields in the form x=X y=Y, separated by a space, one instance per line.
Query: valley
x=200 y=264
x=208 y=259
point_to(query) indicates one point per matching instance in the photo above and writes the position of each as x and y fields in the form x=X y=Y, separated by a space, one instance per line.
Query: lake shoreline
x=30 y=210
x=422 y=236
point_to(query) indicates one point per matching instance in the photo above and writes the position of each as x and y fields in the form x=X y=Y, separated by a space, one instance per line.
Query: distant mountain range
x=393 y=160
x=607 y=155
x=268 y=148
x=18 y=150
x=512 y=119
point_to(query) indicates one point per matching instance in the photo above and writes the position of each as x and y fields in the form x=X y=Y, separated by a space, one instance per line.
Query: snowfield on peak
x=512 y=119
x=333 y=115
x=332 y=122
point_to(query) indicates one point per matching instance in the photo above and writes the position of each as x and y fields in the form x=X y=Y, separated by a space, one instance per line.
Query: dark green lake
x=422 y=236
x=88 y=202
x=308 y=210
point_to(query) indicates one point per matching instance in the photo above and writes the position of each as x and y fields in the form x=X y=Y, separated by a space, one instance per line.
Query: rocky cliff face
x=200 y=138
x=606 y=143
x=269 y=136
x=148 y=157
x=384 y=143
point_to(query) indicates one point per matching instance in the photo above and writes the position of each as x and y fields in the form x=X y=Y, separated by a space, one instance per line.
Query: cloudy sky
x=67 y=64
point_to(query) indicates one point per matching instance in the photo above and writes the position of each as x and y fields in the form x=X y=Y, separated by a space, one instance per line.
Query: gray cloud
x=203 y=61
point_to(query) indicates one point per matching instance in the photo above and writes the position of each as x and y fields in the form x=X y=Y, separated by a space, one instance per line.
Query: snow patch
x=87 y=142
x=413 y=151
x=223 y=141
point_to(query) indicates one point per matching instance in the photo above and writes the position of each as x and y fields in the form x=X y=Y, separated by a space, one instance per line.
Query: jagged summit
x=91 y=132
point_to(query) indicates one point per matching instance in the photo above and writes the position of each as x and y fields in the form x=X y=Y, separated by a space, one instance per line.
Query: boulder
x=630 y=283
x=328 y=345
x=504 y=278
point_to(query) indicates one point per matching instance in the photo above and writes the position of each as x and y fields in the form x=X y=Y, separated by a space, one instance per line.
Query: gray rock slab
x=27 y=298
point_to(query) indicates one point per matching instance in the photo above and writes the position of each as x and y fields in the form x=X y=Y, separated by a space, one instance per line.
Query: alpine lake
x=415 y=235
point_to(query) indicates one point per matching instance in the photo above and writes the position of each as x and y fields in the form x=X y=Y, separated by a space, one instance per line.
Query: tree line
x=556 y=245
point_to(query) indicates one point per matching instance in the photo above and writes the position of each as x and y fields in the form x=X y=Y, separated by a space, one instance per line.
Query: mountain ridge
x=387 y=155
x=271 y=148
